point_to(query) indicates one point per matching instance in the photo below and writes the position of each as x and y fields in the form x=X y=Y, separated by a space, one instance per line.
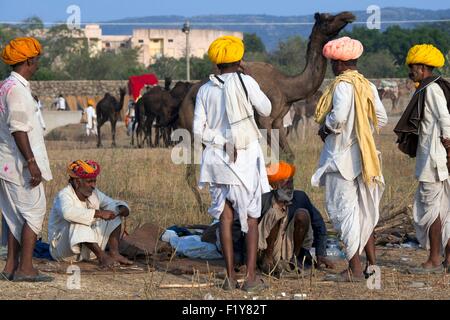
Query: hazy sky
x=101 y=10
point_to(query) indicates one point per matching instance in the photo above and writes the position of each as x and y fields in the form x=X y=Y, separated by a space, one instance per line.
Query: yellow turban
x=88 y=169
x=21 y=49
x=426 y=54
x=280 y=171
x=226 y=49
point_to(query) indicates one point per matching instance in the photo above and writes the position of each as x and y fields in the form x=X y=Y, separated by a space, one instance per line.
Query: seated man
x=289 y=226
x=83 y=220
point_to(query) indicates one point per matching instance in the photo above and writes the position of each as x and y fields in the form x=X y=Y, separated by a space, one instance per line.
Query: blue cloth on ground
x=42 y=250
x=193 y=247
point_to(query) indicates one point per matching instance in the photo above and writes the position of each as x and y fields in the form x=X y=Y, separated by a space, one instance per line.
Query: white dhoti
x=68 y=244
x=20 y=204
x=353 y=208
x=432 y=200
x=245 y=203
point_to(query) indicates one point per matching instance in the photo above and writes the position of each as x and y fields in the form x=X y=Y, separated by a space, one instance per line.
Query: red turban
x=280 y=171
x=88 y=169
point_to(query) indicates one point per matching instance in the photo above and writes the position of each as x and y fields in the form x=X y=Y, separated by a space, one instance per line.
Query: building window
x=141 y=41
x=155 y=40
x=122 y=45
x=170 y=40
x=107 y=44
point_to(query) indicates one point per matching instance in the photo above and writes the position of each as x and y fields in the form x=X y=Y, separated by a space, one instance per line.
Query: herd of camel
x=174 y=108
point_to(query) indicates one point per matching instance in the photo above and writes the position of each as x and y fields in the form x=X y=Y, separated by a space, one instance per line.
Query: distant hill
x=270 y=34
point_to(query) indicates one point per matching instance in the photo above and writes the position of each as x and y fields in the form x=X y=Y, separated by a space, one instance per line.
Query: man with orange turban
x=232 y=163
x=289 y=226
x=424 y=132
x=83 y=220
x=23 y=160
x=349 y=166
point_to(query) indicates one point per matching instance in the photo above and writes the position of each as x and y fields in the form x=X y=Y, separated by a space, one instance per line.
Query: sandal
x=345 y=276
x=254 y=286
x=421 y=270
x=37 y=278
x=5 y=276
x=229 y=284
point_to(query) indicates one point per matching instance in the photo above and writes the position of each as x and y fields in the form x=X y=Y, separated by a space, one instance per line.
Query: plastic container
x=334 y=250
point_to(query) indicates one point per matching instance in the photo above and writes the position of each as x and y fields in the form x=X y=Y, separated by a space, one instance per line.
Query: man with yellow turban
x=289 y=226
x=424 y=132
x=83 y=220
x=23 y=161
x=349 y=166
x=232 y=162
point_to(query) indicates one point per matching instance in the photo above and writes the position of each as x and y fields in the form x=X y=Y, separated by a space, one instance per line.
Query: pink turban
x=343 y=49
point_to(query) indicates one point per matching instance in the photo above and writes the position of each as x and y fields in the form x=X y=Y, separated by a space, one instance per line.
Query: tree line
x=70 y=57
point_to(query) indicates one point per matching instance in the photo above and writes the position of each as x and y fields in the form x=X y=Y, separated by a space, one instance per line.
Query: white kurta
x=71 y=223
x=19 y=202
x=352 y=206
x=243 y=181
x=433 y=194
x=91 y=125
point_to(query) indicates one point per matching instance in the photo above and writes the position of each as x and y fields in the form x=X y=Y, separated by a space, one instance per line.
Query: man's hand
x=326 y=262
x=35 y=172
x=323 y=132
x=446 y=143
x=104 y=214
x=123 y=211
x=230 y=149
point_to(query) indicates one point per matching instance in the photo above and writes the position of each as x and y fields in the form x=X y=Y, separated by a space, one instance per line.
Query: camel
x=108 y=109
x=161 y=105
x=304 y=111
x=282 y=90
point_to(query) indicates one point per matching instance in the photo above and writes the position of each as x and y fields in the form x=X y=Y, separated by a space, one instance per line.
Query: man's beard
x=285 y=195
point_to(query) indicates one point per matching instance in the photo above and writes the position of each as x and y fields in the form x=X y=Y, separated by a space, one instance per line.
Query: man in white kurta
x=24 y=162
x=431 y=209
x=91 y=125
x=83 y=220
x=232 y=162
x=351 y=202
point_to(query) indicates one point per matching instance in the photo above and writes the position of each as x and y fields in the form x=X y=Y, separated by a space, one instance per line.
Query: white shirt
x=341 y=152
x=431 y=163
x=18 y=113
x=61 y=103
x=39 y=114
x=91 y=116
x=68 y=208
x=211 y=125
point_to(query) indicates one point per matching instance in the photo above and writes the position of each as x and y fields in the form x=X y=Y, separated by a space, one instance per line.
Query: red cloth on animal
x=136 y=83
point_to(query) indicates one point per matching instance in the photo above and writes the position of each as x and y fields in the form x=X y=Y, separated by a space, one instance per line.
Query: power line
x=219 y=23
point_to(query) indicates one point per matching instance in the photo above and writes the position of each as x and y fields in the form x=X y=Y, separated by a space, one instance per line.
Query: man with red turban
x=83 y=220
x=23 y=160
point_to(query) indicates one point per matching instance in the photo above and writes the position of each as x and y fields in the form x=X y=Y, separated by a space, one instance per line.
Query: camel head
x=328 y=26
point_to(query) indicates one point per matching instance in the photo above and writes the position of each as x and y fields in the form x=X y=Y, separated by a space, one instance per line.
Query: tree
x=253 y=43
x=379 y=64
x=290 y=55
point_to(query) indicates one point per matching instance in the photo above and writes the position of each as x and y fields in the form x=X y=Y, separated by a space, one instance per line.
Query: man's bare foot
x=120 y=258
x=28 y=272
x=106 y=261
x=431 y=264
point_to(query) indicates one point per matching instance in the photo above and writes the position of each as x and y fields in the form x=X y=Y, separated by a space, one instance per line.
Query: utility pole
x=186 y=29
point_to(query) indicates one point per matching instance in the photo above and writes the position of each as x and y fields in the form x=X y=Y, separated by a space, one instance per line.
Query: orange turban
x=21 y=49
x=343 y=49
x=226 y=49
x=88 y=169
x=280 y=171
x=91 y=102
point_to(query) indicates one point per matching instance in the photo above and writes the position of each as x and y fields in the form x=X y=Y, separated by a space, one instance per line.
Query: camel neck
x=303 y=85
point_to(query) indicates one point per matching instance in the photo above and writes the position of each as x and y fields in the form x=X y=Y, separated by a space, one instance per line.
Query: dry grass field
x=156 y=190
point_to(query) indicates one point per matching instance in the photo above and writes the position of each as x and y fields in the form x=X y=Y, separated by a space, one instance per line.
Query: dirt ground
x=137 y=283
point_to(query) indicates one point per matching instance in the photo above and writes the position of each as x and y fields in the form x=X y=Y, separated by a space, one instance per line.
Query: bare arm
x=22 y=142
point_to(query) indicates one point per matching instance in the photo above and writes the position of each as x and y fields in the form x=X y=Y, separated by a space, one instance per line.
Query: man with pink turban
x=24 y=162
x=83 y=220
x=349 y=166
